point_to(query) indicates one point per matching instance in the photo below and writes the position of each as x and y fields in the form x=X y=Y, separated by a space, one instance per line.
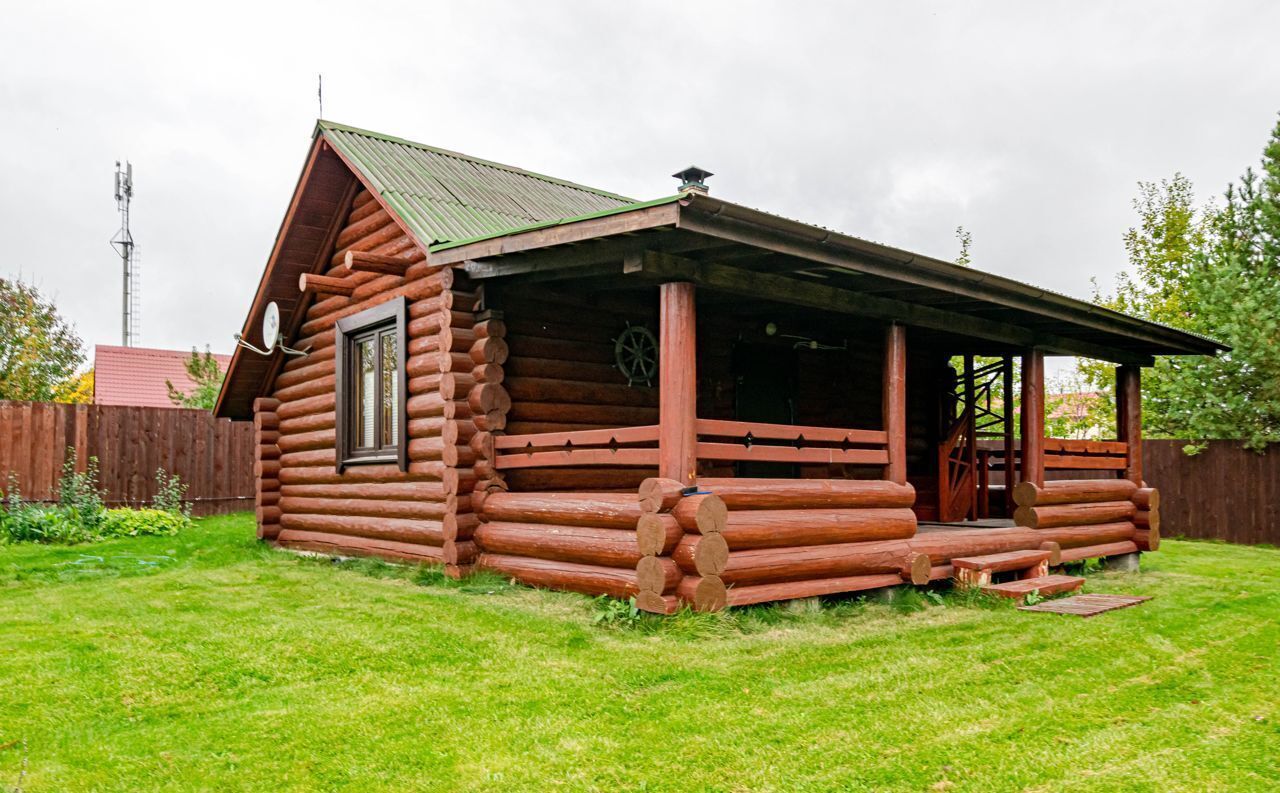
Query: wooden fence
x=213 y=456
x=1224 y=493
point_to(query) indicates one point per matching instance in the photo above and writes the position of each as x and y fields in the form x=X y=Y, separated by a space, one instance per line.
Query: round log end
x=659 y=495
x=710 y=594
x=711 y=554
x=1055 y=552
x=918 y=568
x=655 y=603
x=651 y=534
x=651 y=575
x=1025 y=493
x=712 y=515
x=1025 y=515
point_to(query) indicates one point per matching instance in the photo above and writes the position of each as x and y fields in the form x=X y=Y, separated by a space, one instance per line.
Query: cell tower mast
x=124 y=245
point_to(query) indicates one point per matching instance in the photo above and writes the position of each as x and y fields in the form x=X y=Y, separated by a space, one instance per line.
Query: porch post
x=894 y=402
x=1033 y=417
x=677 y=383
x=1129 y=418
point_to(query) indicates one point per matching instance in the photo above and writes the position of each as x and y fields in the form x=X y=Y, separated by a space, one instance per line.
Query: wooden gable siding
x=416 y=514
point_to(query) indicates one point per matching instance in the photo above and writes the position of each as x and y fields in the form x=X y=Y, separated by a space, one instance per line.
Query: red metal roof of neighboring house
x=137 y=375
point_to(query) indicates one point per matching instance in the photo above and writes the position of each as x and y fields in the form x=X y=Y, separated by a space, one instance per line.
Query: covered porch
x=800 y=426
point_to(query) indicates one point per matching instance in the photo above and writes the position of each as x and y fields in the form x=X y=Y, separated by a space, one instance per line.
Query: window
x=370 y=402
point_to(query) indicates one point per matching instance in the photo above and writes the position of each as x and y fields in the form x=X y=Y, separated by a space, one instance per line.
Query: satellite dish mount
x=271 y=338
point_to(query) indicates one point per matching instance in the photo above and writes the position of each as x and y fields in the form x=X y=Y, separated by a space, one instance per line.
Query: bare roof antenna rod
x=320 y=92
x=125 y=246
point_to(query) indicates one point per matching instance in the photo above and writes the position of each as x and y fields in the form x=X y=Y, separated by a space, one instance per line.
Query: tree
x=1215 y=272
x=78 y=390
x=203 y=371
x=39 y=351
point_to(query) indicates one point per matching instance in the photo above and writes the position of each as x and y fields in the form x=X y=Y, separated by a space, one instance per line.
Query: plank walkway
x=1086 y=605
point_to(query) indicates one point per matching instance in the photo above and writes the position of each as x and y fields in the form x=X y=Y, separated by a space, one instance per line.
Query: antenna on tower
x=320 y=93
x=125 y=246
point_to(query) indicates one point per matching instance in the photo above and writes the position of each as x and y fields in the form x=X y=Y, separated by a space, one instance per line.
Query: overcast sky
x=1027 y=123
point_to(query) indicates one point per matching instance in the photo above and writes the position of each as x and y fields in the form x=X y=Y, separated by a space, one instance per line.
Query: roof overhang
x=729 y=247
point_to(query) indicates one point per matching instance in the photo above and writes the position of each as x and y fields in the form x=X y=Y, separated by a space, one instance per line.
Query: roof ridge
x=323 y=124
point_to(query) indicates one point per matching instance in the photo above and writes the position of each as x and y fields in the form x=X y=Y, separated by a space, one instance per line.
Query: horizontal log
x=585 y=578
x=703 y=593
x=425 y=532
x=266 y=451
x=1147 y=539
x=489 y=350
x=1072 y=491
x=308 y=423
x=265 y=405
x=267 y=515
x=917 y=568
x=1147 y=519
x=317 y=368
x=1097 y=551
x=268 y=498
x=460 y=552
x=560 y=369
x=702 y=512
x=376 y=490
x=744 y=494
x=314 y=457
x=1048 y=517
x=582 y=544
x=1146 y=498
x=305 y=407
x=657 y=534
x=534 y=389
x=771 y=565
x=318 y=386
x=362 y=473
x=416 y=510
x=307 y=441
x=266 y=469
x=345 y=545
x=777 y=528
x=364 y=261
x=702 y=554
x=603 y=478
x=266 y=422
x=1098 y=534
x=793 y=590
x=657 y=574
x=324 y=285
x=609 y=510
x=566 y=413
x=460 y=525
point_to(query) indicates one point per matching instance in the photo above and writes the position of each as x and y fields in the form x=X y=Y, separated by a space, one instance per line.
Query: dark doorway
x=765 y=378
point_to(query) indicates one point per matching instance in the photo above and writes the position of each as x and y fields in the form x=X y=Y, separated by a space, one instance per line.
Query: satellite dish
x=271 y=326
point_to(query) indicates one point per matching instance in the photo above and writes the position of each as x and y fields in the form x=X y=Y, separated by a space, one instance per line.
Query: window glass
x=390 y=389
x=366 y=392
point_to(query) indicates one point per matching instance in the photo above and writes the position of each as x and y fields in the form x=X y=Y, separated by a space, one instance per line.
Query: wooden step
x=1046 y=585
x=1002 y=562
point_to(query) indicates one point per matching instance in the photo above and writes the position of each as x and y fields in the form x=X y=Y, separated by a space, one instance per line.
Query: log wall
x=419 y=514
x=1091 y=517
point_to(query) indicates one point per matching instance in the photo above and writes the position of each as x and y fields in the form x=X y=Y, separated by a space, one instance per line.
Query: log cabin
x=684 y=401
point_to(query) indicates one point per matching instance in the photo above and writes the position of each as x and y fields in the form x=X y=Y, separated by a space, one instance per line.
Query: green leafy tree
x=1215 y=272
x=39 y=351
x=204 y=373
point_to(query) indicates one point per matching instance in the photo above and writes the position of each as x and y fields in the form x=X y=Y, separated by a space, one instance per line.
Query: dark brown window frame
x=391 y=314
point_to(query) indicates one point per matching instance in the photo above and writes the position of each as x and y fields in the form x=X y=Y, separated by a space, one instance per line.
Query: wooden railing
x=733 y=441
x=1061 y=454
x=621 y=446
x=739 y=441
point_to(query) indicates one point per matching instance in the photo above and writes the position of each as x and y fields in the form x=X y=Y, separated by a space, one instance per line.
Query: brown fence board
x=1224 y=493
x=213 y=456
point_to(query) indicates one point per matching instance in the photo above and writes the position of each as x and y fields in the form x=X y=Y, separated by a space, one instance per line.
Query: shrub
x=170 y=491
x=142 y=522
x=78 y=490
x=50 y=524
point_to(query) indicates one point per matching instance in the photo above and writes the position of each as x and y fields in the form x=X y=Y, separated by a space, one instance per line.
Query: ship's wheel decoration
x=636 y=354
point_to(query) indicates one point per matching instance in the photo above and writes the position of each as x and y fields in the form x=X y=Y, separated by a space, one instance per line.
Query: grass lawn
x=206 y=662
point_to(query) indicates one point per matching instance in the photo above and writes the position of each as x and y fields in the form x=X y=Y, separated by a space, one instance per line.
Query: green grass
x=206 y=662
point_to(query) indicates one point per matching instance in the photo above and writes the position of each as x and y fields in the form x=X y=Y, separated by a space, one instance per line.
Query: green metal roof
x=443 y=196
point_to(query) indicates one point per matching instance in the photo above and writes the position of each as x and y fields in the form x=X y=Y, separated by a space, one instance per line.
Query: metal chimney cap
x=693 y=178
